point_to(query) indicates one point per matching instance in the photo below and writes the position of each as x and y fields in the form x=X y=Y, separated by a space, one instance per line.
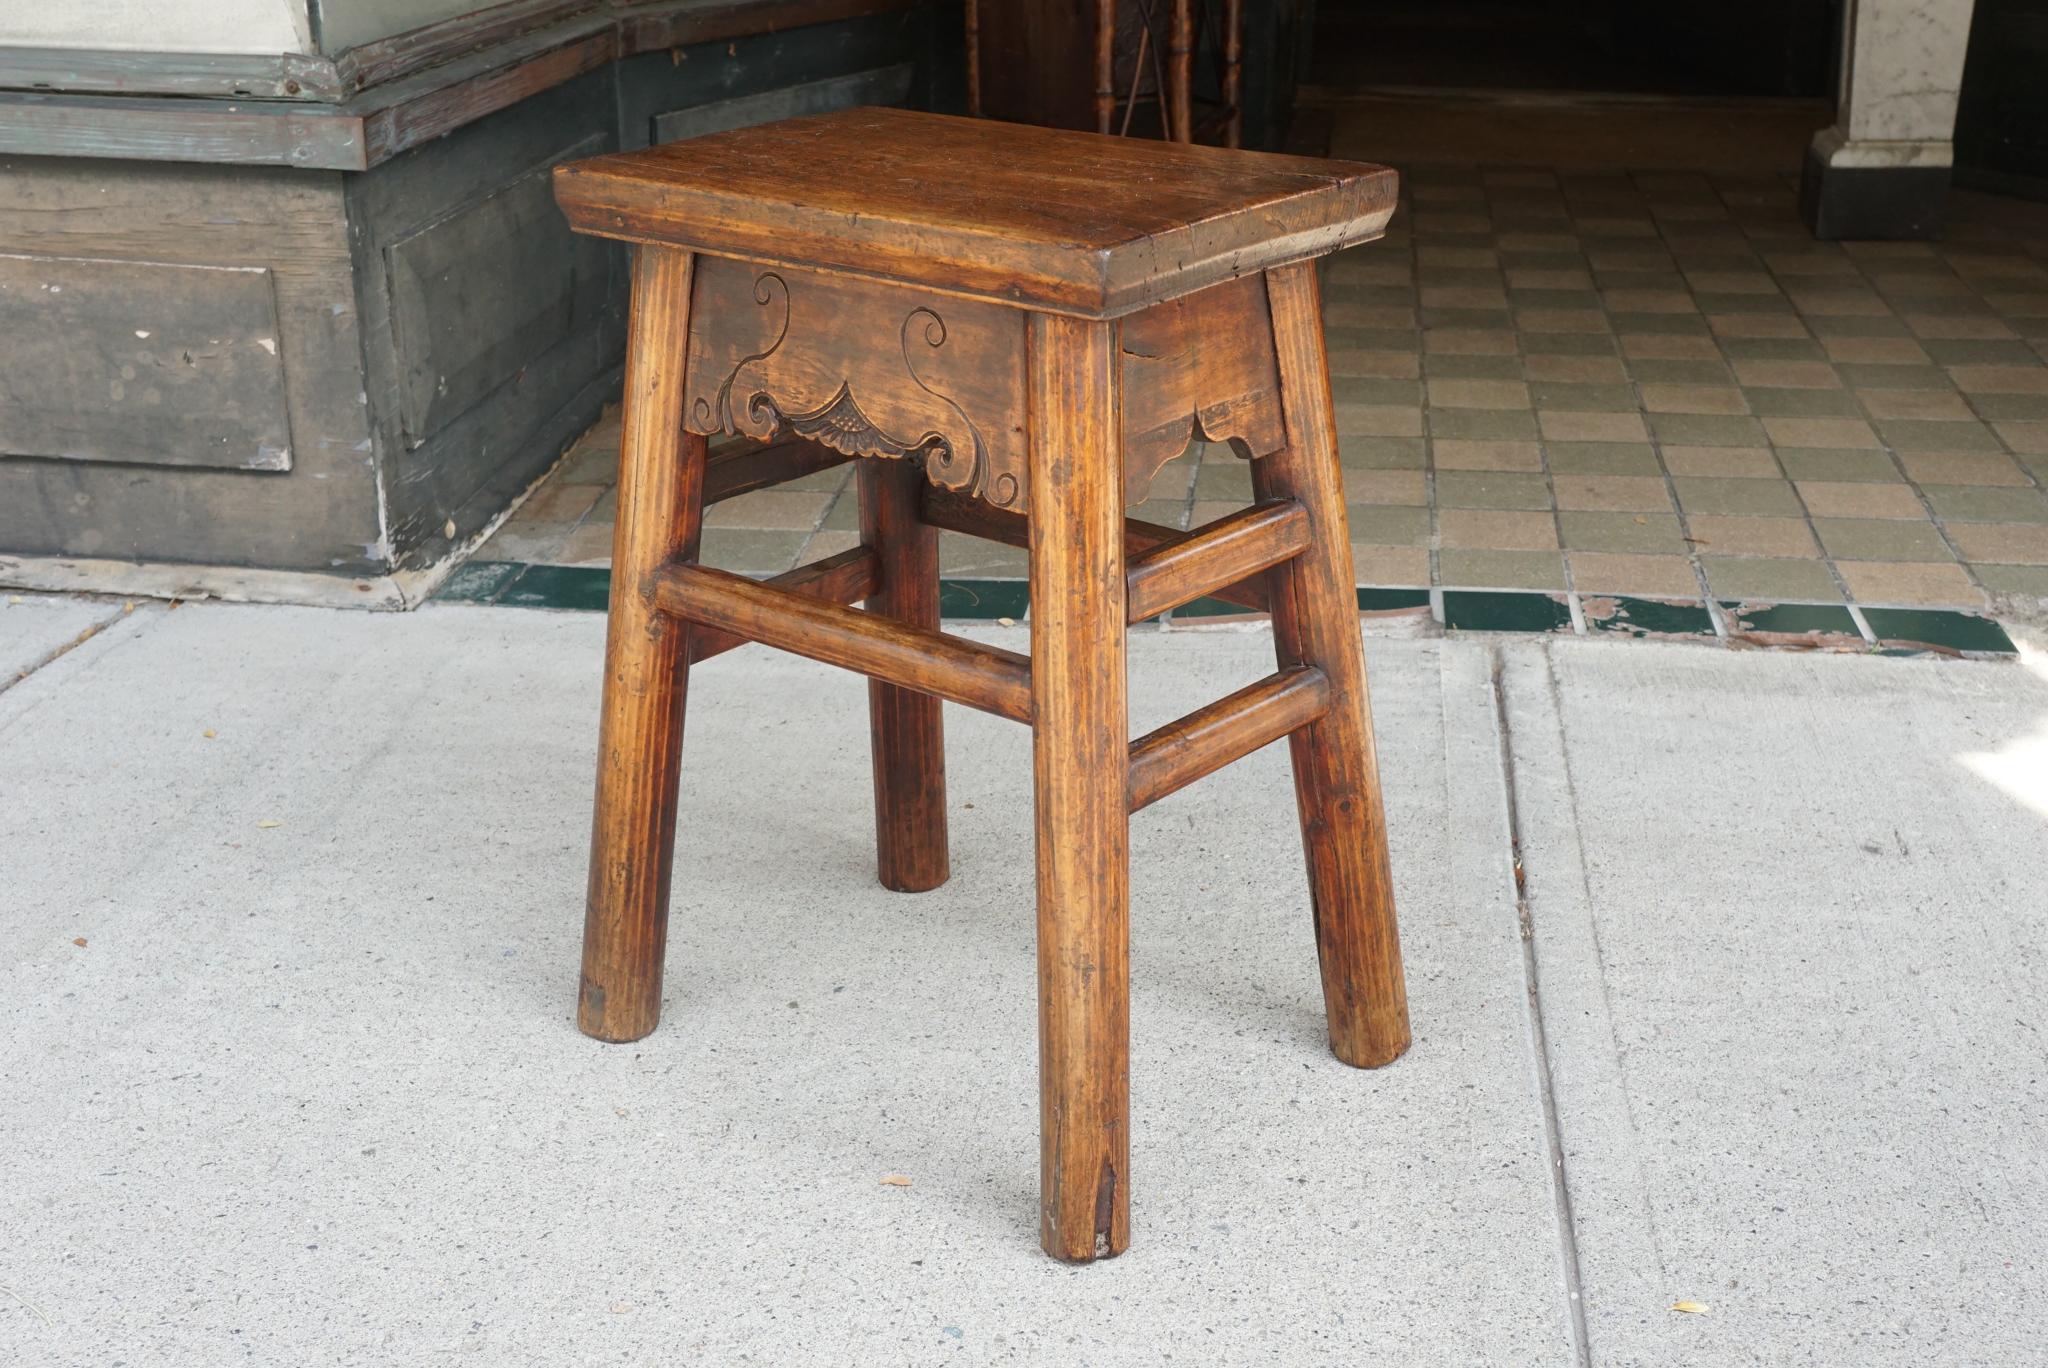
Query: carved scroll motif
x=772 y=351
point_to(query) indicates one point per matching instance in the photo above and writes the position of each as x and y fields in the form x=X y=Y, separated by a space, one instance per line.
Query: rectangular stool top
x=1042 y=218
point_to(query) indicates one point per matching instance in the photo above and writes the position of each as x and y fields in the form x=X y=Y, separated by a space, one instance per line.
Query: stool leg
x=646 y=660
x=1080 y=754
x=905 y=727
x=1336 y=777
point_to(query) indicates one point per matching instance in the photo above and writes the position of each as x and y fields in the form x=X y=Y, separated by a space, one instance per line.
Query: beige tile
x=1481 y=394
x=1723 y=536
x=1593 y=427
x=1732 y=282
x=1837 y=499
x=1608 y=572
x=590 y=544
x=1502 y=569
x=1876 y=351
x=555 y=502
x=2002 y=543
x=1749 y=463
x=2026 y=438
x=1457 y=454
x=1619 y=493
x=2000 y=379
x=1650 y=301
x=1693 y=399
x=1787 y=374
x=1841 y=303
x=1538 y=278
x=1386 y=487
x=1668 y=347
x=1907 y=403
x=1345 y=314
x=1820 y=432
x=1951 y=327
x=1577 y=369
x=1464 y=297
x=1379 y=365
x=1495 y=529
x=1395 y=567
x=1907 y=582
x=1956 y=468
x=1378 y=420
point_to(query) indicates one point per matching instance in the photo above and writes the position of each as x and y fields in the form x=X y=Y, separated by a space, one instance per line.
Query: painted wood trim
x=222 y=75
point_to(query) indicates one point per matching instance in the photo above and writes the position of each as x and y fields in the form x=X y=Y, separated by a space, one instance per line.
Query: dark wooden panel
x=889 y=85
x=150 y=363
x=322 y=515
x=478 y=294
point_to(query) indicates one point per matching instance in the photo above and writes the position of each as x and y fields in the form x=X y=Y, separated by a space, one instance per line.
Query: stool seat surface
x=1045 y=219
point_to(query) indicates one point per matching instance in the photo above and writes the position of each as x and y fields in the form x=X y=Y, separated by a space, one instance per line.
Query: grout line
x=1553 y=1132
x=92 y=630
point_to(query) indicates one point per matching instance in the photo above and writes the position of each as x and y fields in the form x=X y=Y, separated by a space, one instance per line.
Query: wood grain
x=1336 y=775
x=906 y=728
x=1175 y=755
x=847 y=577
x=982 y=209
x=640 y=734
x=984 y=677
x=1079 y=753
x=1199 y=366
x=1228 y=551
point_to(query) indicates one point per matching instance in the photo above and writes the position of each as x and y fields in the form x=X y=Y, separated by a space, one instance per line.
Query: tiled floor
x=1652 y=384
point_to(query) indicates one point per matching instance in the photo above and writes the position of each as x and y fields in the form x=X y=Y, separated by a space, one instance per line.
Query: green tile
x=2011 y=407
x=1630 y=533
x=1492 y=489
x=1582 y=398
x=1792 y=619
x=1870 y=375
x=1544 y=298
x=1741 y=498
x=1761 y=578
x=1485 y=425
x=478 y=581
x=560 y=586
x=1826 y=463
x=1986 y=503
x=1926 y=434
x=983 y=598
x=2013 y=579
x=1602 y=458
x=1452 y=366
x=1881 y=539
x=1567 y=344
x=1778 y=401
x=1391 y=600
x=1372 y=339
x=1706 y=429
x=1772 y=349
x=1501 y=569
x=1360 y=390
x=1654 y=371
x=1470 y=610
x=1662 y=324
x=1466 y=318
x=1956 y=631
x=1383 y=453
x=1959 y=351
x=1646 y=617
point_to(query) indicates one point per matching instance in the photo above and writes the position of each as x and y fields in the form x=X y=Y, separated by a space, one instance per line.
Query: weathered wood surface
x=365 y=106
x=937 y=663
x=136 y=505
x=995 y=211
x=1199 y=366
x=142 y=362
x=1079 y=755
x=906 y=728
x=646 y=668
x=1336 y=772
x=1175 y=755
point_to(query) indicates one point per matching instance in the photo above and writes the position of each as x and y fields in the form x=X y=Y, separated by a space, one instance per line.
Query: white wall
x=242 y=26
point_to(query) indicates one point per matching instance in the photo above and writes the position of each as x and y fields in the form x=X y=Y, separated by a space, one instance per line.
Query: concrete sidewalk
x=289 y=906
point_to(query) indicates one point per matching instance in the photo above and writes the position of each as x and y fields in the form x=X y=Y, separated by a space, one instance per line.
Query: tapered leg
x=1336 y=776
x=661 y=486
x=1079 y=753
x=905 y=726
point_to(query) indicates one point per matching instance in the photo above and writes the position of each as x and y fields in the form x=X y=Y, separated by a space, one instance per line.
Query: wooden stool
x=1011 y=329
